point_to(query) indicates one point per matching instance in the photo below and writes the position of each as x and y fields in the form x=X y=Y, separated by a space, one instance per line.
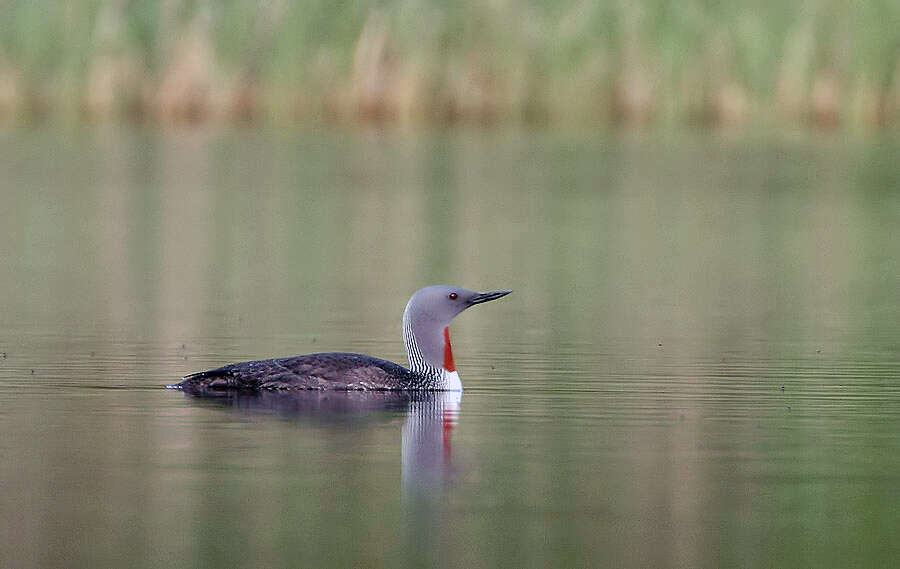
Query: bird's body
x=426 y=336
x=334 y=370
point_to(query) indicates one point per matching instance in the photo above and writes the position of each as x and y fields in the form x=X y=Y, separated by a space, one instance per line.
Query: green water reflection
x=699 y=367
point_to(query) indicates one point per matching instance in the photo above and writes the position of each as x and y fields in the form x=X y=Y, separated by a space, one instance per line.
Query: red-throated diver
x=426 y=334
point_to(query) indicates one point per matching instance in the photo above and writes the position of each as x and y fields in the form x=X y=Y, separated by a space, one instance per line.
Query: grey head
x=425 y=320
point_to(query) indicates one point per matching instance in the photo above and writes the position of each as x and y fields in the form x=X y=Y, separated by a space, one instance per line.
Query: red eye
x=452 y=296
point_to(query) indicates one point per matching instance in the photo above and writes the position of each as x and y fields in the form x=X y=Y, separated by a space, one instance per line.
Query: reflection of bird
x=427 y=464
x=429 y=419
x=426 y=438
x=426 y=334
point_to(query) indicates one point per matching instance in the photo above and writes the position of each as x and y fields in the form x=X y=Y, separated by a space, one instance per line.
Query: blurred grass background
x=822 y=63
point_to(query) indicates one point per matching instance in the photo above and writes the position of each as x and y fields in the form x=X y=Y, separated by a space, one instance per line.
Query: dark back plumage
x=329 y=371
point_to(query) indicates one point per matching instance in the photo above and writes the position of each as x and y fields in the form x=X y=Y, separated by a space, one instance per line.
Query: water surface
x=699 y=366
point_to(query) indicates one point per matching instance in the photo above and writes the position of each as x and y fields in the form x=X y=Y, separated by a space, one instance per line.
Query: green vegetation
x=821 y=62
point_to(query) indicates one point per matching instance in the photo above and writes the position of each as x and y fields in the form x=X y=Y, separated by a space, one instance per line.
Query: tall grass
x=821 y=62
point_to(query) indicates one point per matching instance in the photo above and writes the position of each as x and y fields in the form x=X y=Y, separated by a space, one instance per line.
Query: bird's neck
x=429 y=352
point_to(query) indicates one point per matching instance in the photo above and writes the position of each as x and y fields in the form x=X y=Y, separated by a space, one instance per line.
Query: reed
x=823 y=63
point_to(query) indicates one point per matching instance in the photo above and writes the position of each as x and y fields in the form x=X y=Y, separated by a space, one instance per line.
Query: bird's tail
x=199 y=379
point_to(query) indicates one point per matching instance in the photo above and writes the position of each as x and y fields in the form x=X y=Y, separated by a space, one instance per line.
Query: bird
x=426 y=335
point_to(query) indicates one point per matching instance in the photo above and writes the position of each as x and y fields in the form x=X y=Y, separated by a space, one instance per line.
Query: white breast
x=451 y=381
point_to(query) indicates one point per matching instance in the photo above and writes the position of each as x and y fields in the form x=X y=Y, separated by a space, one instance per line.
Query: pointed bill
x=488 y=296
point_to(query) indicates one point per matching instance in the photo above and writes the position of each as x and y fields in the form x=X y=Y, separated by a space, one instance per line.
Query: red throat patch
x=448 y=352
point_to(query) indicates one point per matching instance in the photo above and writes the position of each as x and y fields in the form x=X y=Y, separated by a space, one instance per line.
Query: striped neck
x=429 y=353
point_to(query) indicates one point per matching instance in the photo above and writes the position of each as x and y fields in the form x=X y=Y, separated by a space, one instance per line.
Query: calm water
x=700 y=366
